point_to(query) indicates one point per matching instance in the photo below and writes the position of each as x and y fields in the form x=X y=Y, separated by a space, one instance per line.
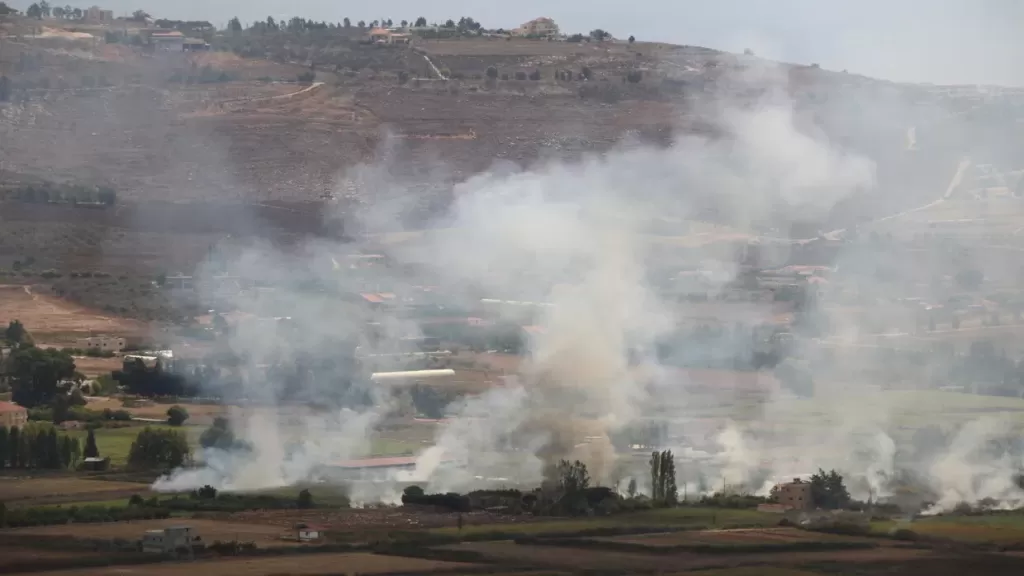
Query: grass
x=116 y=443
x=998 y=528
x=668 y=518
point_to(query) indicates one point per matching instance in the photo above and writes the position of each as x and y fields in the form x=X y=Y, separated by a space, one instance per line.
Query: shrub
x=305 y=499
x=535 y=75
x=520 y=75
x=449 y=501
x=492 y=72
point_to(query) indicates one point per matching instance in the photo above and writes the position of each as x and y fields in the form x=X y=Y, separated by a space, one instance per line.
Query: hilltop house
x=101 y=343
x=97 y=14
x=538 y=27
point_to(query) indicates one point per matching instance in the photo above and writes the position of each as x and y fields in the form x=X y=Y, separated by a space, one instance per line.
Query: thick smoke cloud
x=585 y=238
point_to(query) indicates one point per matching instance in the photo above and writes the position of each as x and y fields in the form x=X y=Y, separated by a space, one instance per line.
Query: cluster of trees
x=38 y=377
x=663 y=479
x=38 y=446
x=155 y=449
x=48 y=516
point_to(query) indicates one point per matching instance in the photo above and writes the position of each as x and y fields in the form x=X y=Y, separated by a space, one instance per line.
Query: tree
x=828 y=490
x=219 y=435
x=14 y=447
x=91 y=451
x=3 y=447
x=305 y=499
x=176 y=415
x=663 y=478
x=16 y=333
x=6 y=10
x=492 y=72
x=53 y=450
x=631 y=488
x=449 y=23
x=34 y=11
x=632 y=40
x=405 y=23
x=158 y=449
x=35 y=374
x=361 y=24
x=235 y=25
x=600 y=35
x=573 y=477
x=77 y=13
x=58 y=13
x=67 y=452
x=140 y=16
x=347 y=23
x=421 y=22
x=44 y=7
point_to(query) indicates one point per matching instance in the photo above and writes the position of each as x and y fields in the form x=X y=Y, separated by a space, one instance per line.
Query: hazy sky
x=941 y=41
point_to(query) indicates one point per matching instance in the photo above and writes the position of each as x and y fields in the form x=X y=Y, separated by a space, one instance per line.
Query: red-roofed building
x=12 y=415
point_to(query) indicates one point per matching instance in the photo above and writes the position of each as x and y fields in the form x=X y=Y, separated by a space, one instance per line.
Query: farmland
x=311 y=564
x=15 y=488
x=263 y=535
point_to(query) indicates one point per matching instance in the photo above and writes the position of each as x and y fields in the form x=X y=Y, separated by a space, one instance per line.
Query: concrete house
x=542 y=27
x=101 y=343
x=169 y=540
x=12 y=415
x=796 y=495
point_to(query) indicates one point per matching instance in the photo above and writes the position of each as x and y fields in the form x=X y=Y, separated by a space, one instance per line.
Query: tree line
x=38 y=446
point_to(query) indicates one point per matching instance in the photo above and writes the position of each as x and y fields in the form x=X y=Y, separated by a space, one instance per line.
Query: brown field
x=26 y=488
x=210 y=530
x=591 y=559
x=14 y=554
x=725 y=537
x=60 y=321
x=369 y=519
x=198 y=414
x=306 y=564
x=93 y=367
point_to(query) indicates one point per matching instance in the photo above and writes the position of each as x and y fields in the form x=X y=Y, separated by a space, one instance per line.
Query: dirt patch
x=20 y=555
x=198 y=414
x=209 y=530
x=591 y=559
x=29 y=488
x=60 y=321
x=308 y=564
x=93 y=367
x=726 y=537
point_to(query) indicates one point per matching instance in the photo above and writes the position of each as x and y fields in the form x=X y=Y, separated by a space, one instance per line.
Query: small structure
x=12 y=415
x=97 y=14
x=167 y=41
x=170 y=540
x=101 y=343
x=195 y=45
x=538 y=27
x=96 y=464
x=795 y=495
x=309 y=532
x=385 y=36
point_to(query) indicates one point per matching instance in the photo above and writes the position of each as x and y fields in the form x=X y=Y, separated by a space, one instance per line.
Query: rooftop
x=6 y=407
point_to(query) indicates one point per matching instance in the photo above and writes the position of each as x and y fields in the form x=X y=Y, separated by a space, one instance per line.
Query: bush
x=520 y=75
x=176 y=415
x=535 y=75
x=635 y=76
x=305 y=499
x=449 y=501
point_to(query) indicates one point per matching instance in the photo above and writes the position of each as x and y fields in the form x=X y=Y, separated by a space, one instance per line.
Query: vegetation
x=54 y=193
x=156 y=449
x=176 y=415
x=37 y=446
x=44 y=516
x=828 y=490
x=663 y=479
x=37 y=376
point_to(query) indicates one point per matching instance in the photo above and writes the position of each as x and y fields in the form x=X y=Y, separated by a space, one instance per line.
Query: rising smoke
x=585 y=237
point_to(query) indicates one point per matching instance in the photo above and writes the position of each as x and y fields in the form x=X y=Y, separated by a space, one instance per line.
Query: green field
x=116 y=443
x=998 y=528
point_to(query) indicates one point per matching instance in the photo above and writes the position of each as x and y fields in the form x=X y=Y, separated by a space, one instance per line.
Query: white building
x=101 y=343
x=539 y=27
x=170 y=41
x=169 y=540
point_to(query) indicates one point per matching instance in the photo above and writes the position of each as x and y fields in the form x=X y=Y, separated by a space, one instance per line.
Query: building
x=170 y=540
x=195 y=45
x=97 y=14
x=795 y=495
x=96 y=464
x=12 y=415
x=101 y=343
x=167 y=41
x=309 y=532
x=538 y=27
x=385 y=36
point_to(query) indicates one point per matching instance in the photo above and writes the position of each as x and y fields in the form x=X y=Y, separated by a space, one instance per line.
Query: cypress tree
x=53 y=453
x=14 y=447
x=3 y=447
x=90 y=446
